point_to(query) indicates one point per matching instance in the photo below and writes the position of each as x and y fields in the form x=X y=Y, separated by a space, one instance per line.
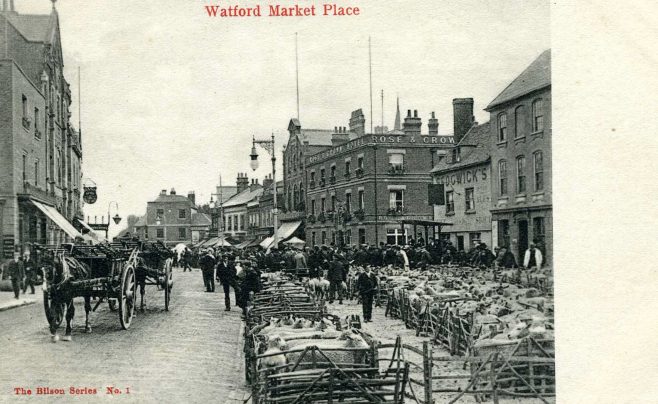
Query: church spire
x=397 y=125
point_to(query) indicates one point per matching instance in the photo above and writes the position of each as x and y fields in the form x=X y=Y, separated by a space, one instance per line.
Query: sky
x=170 y=98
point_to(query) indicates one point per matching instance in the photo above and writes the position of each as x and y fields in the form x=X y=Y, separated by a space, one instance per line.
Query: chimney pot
x=415 y=113
x=408 y=113
x=433 y=115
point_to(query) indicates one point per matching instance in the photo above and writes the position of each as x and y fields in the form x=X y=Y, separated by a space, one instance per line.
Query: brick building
x=521 y=128
x=235 y=210
x=40 y=151
x=465 y=173
x=174 y=219
x=361 y=187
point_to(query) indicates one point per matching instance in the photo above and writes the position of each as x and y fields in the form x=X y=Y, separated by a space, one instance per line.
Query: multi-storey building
x=363 y=186
x=465 y=173
x=174 y=219
x=520 y=118
x=40 y=151
x=235 y=210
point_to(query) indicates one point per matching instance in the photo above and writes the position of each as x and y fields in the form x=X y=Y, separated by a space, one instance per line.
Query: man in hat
x=207 y=264
x=226 y=274
x=366 y=283
x=335 y=277
x=16 y=271
x=250 y=283
x=30 y=273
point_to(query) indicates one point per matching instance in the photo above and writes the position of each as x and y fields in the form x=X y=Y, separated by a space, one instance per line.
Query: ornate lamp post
x=116 y=218
x=268 y=145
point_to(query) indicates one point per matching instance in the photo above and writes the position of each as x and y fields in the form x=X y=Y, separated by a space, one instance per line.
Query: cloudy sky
x=171 y=97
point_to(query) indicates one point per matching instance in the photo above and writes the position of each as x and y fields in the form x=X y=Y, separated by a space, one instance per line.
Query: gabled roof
x=243 y=197
x=473 y=148
x=200 y=219
x=35 y=28
x=534 y=77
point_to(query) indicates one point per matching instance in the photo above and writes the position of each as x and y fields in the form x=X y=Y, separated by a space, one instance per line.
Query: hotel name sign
x=384 y=140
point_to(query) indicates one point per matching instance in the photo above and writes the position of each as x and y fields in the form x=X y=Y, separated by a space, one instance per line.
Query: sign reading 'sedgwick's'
x=278 y=10
x=393 y=140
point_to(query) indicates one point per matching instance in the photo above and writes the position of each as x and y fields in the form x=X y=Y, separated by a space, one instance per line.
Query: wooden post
x=427 y=371
x=494 y=388
x=331 y=387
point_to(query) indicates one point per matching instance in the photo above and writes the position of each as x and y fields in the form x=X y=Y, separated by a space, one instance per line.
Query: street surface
x=191 y=354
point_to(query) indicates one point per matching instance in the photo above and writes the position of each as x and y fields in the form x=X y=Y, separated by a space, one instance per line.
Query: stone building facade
x=169 y=218
x=521 y=164
x=40 y=150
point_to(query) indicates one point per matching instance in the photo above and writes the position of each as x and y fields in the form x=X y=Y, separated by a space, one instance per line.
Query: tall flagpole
x=370 y=69
x=382 y=110
x=297 y=74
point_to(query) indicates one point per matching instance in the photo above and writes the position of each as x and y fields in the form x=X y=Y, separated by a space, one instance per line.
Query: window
x=159 y=214
x=396 y=236
x=324 y=237
x=362 y=199
x=362 y=236
x=24 y=168
x=470 y=201
x=520 y=174
x=182 y=233
x=538 y=230
x=333 y=171
x=537 y=115
x=159 y=233
x=347 y=168
x=519 y=121
x=502 y=127
x=313 y=208
x=181 y=213
x=241 y=222
x=229 y=223
x=502 y=175
x=359 y=162
x=539 y=170
x=333 y=237
x=396 y=160
x=313 y=239
x=323 y=203
x=36 y=172
x=333 y=203
x=36 y=121
x=396 y=200
x=450 y=202
x=322 y=174
x=313 y=177
x=456 y=155
x=348 y=202
x=348 y=237
x=24 y=106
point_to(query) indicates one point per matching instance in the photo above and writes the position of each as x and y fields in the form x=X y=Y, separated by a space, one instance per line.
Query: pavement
x=191 y=354
x=8 y=301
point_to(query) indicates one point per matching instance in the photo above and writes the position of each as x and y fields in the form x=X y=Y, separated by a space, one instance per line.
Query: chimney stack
x=172 y=192
x=358 y=123
x=340 y=136
x=191 y=197
x=462 y=117
x=433 y=125
x=411 y=125
x=267 y=182
x=163 y=192
x=242 y=182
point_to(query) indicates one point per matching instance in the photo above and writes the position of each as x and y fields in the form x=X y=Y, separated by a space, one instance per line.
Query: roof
x=141 y=222
x=200 y=219
x=534 y=77
x=35 y=28
x=168 y=198
x=473 y=148
x=243 y=197
x=316 y=137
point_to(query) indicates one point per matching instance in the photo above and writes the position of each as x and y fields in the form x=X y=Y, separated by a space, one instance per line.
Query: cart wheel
x=168 y=283
x=128 y=294
x=56 y=319
x=113 y=304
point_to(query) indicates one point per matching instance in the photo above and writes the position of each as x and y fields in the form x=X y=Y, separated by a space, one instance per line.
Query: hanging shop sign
x=90 y=195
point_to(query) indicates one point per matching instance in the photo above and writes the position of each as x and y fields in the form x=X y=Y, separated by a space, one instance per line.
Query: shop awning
x=248 y=243
x=92 y=233
x=59 y=220
x=283 y=232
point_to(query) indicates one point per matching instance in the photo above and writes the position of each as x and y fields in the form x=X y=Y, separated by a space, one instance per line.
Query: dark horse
x=58 y=298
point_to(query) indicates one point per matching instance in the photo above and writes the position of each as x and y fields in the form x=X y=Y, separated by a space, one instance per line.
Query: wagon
x=101 y=272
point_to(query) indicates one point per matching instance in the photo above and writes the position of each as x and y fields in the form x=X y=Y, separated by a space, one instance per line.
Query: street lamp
x=268 y=145
x=116 y=217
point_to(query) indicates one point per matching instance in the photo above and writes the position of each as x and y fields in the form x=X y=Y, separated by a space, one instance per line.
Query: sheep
x=274 y=348
x=347 y=339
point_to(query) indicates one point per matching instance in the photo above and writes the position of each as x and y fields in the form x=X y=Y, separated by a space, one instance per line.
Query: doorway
x=460 y=243
x=523 y=238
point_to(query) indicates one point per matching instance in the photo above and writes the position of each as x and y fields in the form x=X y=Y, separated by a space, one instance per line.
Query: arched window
x=519 y=121
x=520 y=174
x=537 y=115
x=502 y=177
x=502 y=127
x=538 y=162
x=294 y=197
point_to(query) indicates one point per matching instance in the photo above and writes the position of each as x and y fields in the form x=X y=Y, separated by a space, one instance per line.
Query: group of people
x=22 y=270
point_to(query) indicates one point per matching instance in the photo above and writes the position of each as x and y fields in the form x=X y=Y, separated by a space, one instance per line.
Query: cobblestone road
x=191 y=354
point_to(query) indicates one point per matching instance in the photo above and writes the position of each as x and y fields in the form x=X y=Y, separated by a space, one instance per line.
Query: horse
x=59 y=296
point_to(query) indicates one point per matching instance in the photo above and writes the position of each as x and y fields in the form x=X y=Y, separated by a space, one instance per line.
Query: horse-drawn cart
x=99 y=271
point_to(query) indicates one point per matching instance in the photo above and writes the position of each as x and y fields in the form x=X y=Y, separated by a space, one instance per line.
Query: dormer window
x=456 y=155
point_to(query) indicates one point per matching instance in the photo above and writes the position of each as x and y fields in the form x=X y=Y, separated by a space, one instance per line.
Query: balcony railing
x=398 y=210
x=395 y=169
x=359 y=172
x=332 y=180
